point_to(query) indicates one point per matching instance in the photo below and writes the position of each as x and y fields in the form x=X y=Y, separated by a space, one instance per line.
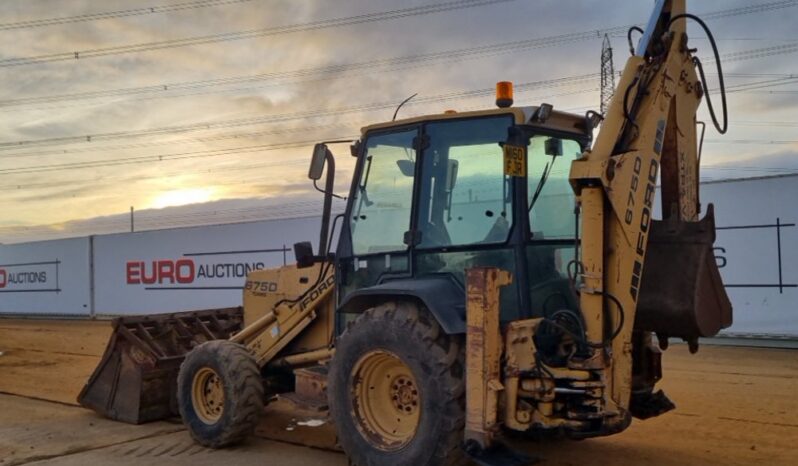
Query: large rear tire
x=220 y=393
x=396 y=389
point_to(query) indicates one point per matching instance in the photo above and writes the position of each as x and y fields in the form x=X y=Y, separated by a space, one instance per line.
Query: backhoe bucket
x=136 y=380
x=682 y=294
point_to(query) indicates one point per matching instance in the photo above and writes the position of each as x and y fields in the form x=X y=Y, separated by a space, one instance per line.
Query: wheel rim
x=208 y=395
x=386 y=400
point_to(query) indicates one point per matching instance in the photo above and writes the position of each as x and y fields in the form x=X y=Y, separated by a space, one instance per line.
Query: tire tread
x=242 y=373
x=444 y=363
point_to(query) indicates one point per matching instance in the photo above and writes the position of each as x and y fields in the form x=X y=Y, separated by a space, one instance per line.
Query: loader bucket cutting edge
x=136 y=380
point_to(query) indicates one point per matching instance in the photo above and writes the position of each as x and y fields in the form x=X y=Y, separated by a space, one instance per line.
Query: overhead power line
x=758 y=53
x=250 y=34
x=158 y=158
x=327 y=71
x=193 y=140
x=337 y=22
x=265 y=147
x=35 y=23
x=215 y=170
x=212 y=153
x=737 y=56
x=747 y=10
x=151 y=158
x=276 y=118
x=524 y=87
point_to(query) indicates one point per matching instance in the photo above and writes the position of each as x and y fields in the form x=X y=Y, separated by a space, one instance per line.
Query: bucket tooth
x=136 y=380
x=650 y=404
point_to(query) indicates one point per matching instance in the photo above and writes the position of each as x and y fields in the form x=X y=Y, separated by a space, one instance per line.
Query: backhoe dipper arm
x=649 y=130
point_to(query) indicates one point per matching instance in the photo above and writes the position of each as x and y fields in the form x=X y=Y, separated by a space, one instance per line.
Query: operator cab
x=433 y=196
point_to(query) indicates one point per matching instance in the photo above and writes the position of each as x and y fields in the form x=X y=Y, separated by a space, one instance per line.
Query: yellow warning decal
x=514 y=160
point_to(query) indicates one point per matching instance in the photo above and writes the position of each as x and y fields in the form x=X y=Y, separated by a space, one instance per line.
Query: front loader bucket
x=682 y=294
x=136 y=380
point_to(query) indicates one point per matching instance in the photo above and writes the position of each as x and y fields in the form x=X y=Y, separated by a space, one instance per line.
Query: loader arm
x=265 y=337
x=649 y=131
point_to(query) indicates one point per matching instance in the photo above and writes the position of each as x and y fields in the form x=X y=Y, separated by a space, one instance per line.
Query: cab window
x=464 y=197
x=551 y=198
x=383 y=196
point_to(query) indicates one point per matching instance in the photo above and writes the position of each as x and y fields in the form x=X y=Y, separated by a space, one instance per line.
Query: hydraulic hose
x=721 y=128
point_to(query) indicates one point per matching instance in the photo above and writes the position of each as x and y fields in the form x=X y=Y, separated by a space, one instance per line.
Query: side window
x=465 y=197
x=551 y=198
x=383 y=195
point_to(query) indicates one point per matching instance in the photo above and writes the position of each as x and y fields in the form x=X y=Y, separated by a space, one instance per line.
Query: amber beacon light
x=504 y=94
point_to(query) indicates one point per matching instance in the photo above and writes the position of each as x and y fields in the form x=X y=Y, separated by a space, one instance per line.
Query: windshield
x=464 y=196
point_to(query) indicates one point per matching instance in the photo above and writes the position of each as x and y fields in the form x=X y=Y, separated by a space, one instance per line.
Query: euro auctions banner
x=190 y=268
x=47 y=278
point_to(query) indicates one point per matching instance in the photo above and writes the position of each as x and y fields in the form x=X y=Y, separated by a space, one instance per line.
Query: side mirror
x=354 y=149
x=407 y=167
x=317 y=162
x=303 y=252
x=553 y=147
x=451 y=174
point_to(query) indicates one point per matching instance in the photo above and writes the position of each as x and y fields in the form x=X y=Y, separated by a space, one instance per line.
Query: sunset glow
x=180 y=197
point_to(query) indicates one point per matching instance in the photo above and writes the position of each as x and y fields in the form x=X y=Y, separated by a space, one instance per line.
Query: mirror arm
x=337 y=196
x=328 y=195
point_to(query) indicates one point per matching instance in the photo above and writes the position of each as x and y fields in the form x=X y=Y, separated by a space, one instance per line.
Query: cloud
x=77 y=194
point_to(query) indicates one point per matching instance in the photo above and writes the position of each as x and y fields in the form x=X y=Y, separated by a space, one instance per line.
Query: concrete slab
x=178 y=449
x=31 y=430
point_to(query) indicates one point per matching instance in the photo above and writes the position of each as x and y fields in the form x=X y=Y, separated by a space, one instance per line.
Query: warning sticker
x=514 y=160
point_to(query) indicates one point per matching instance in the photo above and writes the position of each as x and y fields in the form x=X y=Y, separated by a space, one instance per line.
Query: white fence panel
x=757 y=252
x=47 y=277
x=205 y=267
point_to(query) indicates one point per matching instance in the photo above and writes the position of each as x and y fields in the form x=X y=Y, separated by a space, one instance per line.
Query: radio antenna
x=400 y=105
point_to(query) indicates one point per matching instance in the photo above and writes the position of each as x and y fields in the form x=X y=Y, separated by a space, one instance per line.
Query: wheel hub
x=385 y=399
x=404 y=395
x=208 y=395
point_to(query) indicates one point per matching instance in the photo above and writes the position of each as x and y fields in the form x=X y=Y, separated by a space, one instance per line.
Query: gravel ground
x=735 y=405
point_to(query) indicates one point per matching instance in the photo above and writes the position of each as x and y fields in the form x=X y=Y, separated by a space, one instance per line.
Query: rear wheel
x=396 y=389
x=220 y=393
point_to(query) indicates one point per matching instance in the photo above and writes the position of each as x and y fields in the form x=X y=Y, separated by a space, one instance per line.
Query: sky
x=206 y=111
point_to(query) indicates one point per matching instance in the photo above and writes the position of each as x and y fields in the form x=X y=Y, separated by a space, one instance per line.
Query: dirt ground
x=735 y=405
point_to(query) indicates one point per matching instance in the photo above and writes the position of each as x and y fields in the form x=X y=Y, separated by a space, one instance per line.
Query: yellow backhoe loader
x=494 y=272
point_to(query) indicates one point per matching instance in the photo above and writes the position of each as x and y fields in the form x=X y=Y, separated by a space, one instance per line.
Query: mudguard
x=442 y=295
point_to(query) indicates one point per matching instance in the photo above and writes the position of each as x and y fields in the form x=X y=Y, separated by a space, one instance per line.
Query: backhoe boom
x=649 y=131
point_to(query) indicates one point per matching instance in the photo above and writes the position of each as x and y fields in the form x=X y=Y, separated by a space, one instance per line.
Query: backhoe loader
x=495 y=271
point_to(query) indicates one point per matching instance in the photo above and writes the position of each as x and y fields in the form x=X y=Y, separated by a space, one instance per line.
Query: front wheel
x=396 y=389
x=220 y=393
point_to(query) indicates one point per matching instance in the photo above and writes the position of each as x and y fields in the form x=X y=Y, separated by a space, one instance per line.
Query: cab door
x=372 y=245
x=465 y=214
